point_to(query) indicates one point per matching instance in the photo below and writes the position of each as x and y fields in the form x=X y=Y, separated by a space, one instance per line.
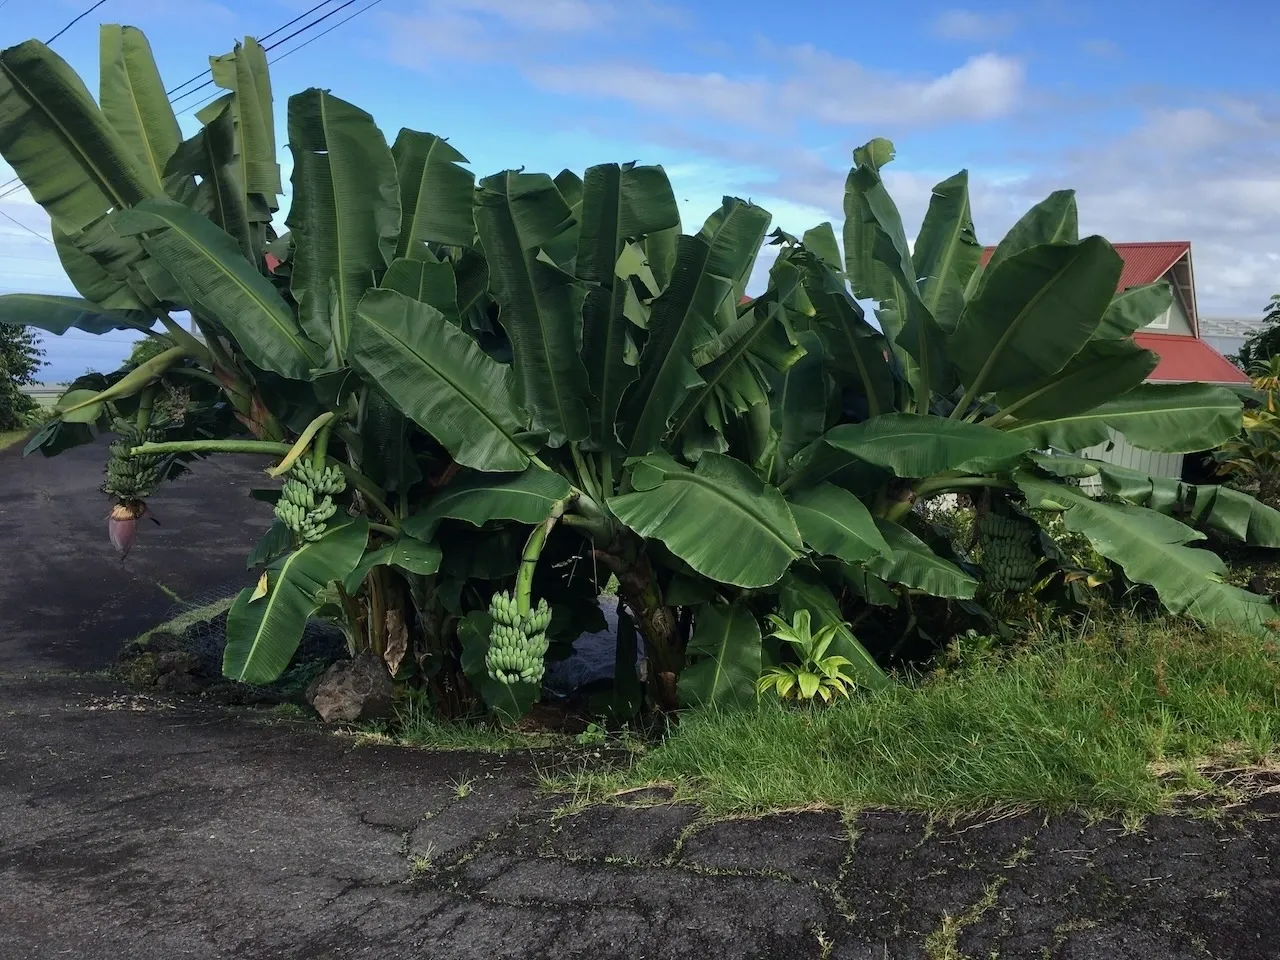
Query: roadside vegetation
x=483 y=404
x=1118 y=716
x=20 y=354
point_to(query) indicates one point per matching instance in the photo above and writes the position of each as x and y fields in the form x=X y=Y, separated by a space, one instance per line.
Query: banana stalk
x=518 y=639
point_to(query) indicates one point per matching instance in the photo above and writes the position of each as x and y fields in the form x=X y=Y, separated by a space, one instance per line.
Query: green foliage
x=1252 y=459
x=522 y=388
x=148 y=348
x=816 y=675
x=1261 y=346
x=726 y=651
x=20 y=354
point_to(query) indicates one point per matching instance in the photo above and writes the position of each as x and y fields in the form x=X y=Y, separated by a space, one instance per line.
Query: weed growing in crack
x=420 y=864
x=943 y=943
x=825 y=944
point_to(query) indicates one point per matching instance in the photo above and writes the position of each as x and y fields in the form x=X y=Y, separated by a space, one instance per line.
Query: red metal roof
x=1143 y=262
x=1185 y=359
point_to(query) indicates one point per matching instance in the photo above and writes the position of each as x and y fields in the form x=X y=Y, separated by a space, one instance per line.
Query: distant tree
x=1261 y=346
x=20 y=355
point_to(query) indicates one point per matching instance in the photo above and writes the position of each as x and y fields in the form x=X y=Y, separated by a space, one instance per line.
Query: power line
x=283 y=26
x=335 y=26
x=7 y=189
x=16 y=186
x=214 y=96
x=19 y=223
x=302 y=29
x=74 y=21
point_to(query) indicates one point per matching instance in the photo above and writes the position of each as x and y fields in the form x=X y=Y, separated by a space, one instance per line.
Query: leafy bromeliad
x=460 y=363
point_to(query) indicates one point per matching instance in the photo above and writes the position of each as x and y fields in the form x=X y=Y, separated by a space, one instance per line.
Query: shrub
x=20 y=354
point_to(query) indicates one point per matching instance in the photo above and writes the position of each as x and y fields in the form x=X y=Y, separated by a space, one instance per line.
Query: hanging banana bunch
x=131 y=480
x=1008 y=541
x=518 y=641
x=306 y=501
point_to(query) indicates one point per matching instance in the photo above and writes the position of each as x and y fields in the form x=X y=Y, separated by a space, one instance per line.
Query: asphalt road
x=67 y=600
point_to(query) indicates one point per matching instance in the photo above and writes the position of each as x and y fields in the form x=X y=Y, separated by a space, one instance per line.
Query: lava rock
x=178 y=671
x=352 y=690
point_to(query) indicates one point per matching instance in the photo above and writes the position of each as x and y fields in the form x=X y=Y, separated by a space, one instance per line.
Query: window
x=1161 y=322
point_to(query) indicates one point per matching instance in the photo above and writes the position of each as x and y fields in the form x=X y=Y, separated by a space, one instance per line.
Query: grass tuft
x=418 y=725
x=1125 y=719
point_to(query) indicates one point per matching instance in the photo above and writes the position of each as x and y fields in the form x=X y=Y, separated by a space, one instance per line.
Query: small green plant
x=594 y=734
x=420 y=863
x=462 y=788
x=816 y=675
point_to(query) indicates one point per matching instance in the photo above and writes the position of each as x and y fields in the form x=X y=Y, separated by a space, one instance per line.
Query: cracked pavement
x=137 y=827
x=132 y=826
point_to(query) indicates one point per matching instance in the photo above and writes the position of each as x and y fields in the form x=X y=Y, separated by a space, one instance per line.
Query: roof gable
x=1151 y=261
x=1143 y=262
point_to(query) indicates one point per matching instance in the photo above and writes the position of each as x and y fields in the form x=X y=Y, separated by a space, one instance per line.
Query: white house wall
x=1123 y=454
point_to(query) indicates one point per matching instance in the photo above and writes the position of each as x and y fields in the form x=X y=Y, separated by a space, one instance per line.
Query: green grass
x=418 y=725
x=1125 y=718
x=9 y=437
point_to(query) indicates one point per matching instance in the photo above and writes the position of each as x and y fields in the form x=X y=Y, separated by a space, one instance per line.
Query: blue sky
x=1162 y=116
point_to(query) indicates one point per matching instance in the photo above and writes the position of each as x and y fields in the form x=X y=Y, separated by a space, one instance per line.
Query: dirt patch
x=135 y=826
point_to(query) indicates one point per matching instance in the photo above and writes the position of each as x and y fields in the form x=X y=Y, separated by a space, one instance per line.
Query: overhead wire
x=303 y=29
x=12 y=186
x=284 y=26
x=18 y=223
x=290 y=52
x=335 y=26
x=74 y=20
x=329 y=29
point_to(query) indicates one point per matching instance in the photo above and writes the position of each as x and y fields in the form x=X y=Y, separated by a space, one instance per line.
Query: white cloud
x=789 y=82
x=838 y=91
x=972 y=25
x=818 y=86
x=707 y=94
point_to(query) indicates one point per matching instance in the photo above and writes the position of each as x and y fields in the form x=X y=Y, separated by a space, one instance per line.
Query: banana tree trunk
x=660 y=628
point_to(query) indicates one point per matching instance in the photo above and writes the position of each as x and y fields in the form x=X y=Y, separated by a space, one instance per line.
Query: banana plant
x=487 y=398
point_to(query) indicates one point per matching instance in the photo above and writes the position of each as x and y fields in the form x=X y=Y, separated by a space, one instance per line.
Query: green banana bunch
x=326 y=480
x=133 y=478
x=518 y=642
x=306 y=500
x=1009 y=555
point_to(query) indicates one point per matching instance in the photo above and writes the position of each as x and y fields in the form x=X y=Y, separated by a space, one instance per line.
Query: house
x=1175 y=336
